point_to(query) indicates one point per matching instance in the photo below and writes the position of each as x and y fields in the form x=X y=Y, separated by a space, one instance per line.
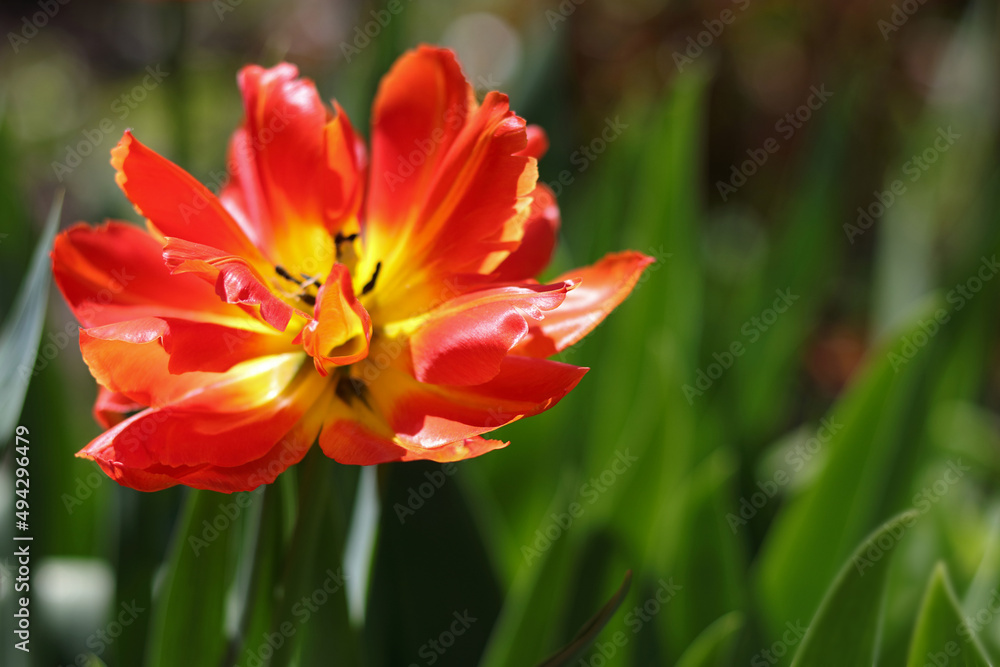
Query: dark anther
x=370 y=285
x=308 y=298
x=280 y=270
x=340 y=238
x=352 y=389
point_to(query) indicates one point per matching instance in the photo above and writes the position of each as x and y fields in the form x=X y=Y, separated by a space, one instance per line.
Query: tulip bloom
x=383 y=302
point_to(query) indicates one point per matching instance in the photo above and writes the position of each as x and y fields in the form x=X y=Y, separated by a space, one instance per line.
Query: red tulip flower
x=382 y=301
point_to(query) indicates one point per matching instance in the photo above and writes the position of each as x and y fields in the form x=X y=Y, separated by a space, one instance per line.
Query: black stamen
x=308 y=298
x=370 y=285
x=340 y=238
x=310 y=280
x=280 y=270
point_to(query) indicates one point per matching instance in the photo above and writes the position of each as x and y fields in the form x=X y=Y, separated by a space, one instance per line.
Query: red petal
x=432 y=415
x=111 y=407
x=115 y=272
x=538 y=142
x=538 y=242
x=235 y=280
x=233 y=422
x=175 y=202
x=602 y=287
x=340 y=333
x=453 y=195
x=353 y=435
x=288 y=451
x=465 y=341
x=297 y=171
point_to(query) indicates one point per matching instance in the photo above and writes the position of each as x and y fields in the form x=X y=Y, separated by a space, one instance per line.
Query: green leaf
x=589 y=632
x=714 y=646
x=190 y=611
x=23 y=327
x=941 y=637
x=845 y=629
x=817 y=529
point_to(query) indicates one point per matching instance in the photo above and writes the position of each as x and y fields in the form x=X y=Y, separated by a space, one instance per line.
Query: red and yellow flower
x=382 y=301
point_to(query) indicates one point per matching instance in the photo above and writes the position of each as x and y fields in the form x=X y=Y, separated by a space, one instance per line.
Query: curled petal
x=111 y=408
x=538 y=142
x=289 y=450
x=465 y=341
x=430 y=416
x=450 y=189
x=602 y=287
x=233 y=422
x=236 y=280
x=115 y=272
x=341 y=330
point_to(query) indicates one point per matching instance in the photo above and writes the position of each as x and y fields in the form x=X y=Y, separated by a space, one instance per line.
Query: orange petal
x=430 y=415
x=465 y=341
x=537 y=243
x=450 y=192
x=236 y=281
x=115 y=272
x=175 y=202
x=340 y=333
x=353 y=435
x=602 y=287
x=298 y=173
x=288 y=451
x=538 y=142
x=111 y=407
x=237 y=420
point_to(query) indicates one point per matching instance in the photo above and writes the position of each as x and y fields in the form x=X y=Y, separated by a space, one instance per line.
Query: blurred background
x=814 y=352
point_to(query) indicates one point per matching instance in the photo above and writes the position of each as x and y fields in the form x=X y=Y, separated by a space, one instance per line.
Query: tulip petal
x=115 y=272
x=298 y=172
x=235 y=280
x=465 y=341
x=237 y=420
x=175 y=202
x=450 y=192
x=353 y=435
x=537 y=243
x=430 y=415
x=111 y=408
x=289 y=450
x=603 y=286
x=538 y=142
x=340 y=333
